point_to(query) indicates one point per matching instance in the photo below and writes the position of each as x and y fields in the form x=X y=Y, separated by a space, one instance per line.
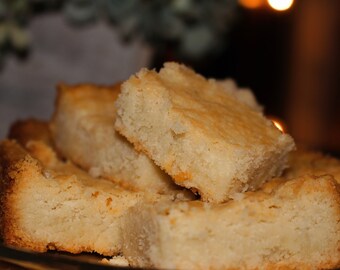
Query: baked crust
x=47 y=204
x=16 y=166
x=30 y=129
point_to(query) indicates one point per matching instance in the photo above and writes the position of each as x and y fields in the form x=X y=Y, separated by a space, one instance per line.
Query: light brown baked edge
x=30 y=129
x=17 y=170
x=14 y=163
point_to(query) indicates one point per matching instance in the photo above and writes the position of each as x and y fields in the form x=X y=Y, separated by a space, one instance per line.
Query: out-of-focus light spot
x=251 y=3
x=278 y=125
x=280 y=5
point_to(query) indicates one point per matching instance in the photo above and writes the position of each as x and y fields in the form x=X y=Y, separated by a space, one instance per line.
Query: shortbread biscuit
x=294 y=226
x=51 y=205
x=83 y=131
x=201 y=135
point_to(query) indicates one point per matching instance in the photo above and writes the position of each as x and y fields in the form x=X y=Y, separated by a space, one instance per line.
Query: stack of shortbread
x=173 y=171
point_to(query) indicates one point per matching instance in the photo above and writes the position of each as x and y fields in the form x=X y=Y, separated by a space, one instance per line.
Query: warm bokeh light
x=280 y=5
x=278 y=125
x=251 y=3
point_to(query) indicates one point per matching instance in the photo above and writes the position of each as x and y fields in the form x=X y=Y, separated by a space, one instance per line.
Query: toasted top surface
x=244 y=95
x=206 y=106
x=85 y=98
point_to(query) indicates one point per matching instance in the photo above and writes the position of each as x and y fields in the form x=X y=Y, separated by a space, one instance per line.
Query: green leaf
x=81 y=11
x=3 y=9
x=18 y=37
x=119 y=9
x=20 y=6
x=197 y=41
x=3 y=33
x=182 y=6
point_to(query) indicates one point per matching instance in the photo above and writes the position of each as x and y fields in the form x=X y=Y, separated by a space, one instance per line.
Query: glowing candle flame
x=280 y=5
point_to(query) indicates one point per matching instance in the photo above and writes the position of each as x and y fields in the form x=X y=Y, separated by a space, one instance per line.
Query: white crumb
x=116 y=261
x=95 y=172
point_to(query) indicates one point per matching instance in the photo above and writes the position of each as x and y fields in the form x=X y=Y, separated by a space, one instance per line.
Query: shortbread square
x=206 y=138
x=83 y=131
x=48 y=204
x=293 y=225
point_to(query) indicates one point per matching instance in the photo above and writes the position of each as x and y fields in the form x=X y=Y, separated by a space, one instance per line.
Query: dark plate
x=14 y=258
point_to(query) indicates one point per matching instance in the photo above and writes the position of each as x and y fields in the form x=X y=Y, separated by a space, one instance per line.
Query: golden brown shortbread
x=207 y=139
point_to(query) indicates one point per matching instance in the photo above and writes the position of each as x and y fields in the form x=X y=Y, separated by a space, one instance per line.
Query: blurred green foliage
x=191 y=28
